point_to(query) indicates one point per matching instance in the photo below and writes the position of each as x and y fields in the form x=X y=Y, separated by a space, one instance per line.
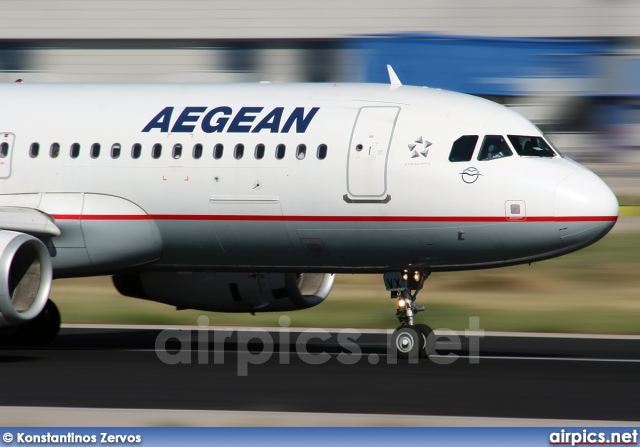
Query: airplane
x=252 y=197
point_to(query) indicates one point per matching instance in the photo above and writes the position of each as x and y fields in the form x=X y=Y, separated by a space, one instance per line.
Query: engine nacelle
x=25 y=277
x=229 y=292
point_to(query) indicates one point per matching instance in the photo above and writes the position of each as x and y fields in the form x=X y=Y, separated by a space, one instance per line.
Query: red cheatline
x=246 y=217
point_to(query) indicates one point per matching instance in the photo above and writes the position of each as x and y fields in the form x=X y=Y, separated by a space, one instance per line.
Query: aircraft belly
x=351 y=244
x=491 y=243
x=121 y=243
x=375 y=244
x=99 y=234
x=577 y=234
x=70 y=235
x=433 y=245
x=224 y=242
x=185 y=242
x=255 y=242
x=111 y=245
x=68 y=261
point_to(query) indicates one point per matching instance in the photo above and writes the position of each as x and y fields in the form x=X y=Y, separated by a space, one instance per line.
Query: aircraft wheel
x=428 y=342
x=40 y=331
x=407 y=342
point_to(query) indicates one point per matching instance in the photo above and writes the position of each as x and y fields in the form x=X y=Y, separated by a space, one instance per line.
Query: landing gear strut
x=410 y=340
x=40 y=331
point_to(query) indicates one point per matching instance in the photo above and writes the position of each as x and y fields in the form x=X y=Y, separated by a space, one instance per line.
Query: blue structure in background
x=477 y=65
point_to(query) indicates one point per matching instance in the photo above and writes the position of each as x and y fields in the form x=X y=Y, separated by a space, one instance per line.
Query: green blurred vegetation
x=628 y=200
x=595 y=290
x=628 y=210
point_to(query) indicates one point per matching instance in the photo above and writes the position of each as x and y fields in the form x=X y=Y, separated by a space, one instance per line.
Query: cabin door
x=368 y=153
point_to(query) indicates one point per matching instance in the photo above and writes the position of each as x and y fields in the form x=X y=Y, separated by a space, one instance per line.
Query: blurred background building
x=571 y=66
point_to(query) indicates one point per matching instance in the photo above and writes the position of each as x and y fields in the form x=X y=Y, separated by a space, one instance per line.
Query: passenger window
x=136 y=151
x=463 y=148
x=177 y=151
x=95 y=150
x=494 y=146
x=531 y=146
x=54 y=151
x=322 y=152
x=75 y=150
x=197 y=151
x=34 y=150
x=301 y=151
x=156 y=151
x=218 y=149
x=4 y=149
x=260 y=151
x=116 y=149
x=238 y=152
x=280 y=151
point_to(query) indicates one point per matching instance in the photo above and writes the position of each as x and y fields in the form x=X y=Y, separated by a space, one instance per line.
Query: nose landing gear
x=410 y=340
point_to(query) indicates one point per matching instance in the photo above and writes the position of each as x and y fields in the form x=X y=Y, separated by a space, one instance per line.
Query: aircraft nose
x=585 y=209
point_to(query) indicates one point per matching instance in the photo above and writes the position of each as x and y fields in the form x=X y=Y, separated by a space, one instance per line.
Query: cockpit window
x=555 y=149
x=494 y=146
x=531 y=146
x=463 y=148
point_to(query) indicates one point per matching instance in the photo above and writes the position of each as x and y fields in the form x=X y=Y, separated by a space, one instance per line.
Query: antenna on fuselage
x=393 y=77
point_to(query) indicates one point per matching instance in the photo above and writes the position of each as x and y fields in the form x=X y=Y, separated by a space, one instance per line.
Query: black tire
x=40 y=331
x=406 y=341
x=428 y=344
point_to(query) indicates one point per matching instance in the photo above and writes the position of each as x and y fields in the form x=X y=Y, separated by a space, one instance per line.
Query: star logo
x=419 y=147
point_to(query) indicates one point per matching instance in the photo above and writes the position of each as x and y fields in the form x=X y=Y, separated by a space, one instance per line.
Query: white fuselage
x=385 y=196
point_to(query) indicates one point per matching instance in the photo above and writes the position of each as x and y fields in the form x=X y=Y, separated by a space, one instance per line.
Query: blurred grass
x=629 y=210
x=628 y=200
x=595 y=290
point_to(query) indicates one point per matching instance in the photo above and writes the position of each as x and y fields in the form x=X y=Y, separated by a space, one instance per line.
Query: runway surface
x=512 y=375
